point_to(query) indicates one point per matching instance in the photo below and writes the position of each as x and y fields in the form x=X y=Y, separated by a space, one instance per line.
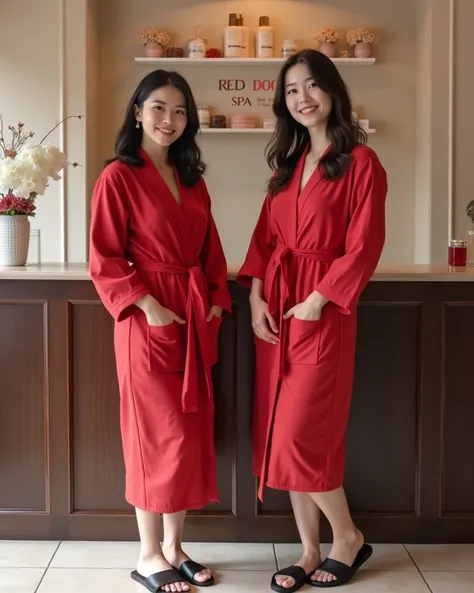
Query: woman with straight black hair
x=157 y=263
x=317 y=242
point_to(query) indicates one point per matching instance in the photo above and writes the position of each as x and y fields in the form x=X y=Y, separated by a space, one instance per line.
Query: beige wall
x=30 y=91
x=83 y=62
x=43 y=79
x=463 y=115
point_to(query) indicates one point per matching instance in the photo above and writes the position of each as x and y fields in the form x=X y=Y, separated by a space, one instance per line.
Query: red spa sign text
x=239 y=85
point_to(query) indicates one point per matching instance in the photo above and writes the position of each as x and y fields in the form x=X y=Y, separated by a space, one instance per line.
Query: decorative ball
x=213 y=52
x=175 y=52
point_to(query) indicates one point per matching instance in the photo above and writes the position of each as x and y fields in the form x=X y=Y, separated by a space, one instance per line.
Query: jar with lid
x=204 y=116
x=457 y=253
x=197 y=48
x=288 y=48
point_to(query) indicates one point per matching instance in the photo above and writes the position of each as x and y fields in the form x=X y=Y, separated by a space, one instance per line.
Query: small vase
x=14 y=239
x=328 y=49
x=153 y=50
x=470 y=247
x=362 y=50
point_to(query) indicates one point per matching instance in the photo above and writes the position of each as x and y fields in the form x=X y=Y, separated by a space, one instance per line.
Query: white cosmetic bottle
x=233 y=38
x=265 y=39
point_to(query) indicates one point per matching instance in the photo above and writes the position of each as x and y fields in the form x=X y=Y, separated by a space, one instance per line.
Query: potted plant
x=327 y=39
x=154 y=41
x=25 y=170
x=361 y=40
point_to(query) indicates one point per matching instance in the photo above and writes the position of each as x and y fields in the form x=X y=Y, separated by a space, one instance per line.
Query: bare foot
x=344 y=550
x=148 y=565
x=307 y=563
x=176 y=557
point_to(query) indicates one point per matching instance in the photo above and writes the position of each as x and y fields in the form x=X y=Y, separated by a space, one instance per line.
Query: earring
x=137 y=125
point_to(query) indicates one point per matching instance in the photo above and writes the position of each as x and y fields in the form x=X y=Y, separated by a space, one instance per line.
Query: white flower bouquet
x=26 y=168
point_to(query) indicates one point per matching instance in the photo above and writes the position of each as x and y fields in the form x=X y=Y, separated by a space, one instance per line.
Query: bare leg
x=347 y=539
x=173 y=524
x=307 y=516
x=151 y=555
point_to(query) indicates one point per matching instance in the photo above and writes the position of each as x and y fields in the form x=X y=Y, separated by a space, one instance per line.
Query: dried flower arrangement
x=25 y=168
x=196 y=33
x=361 y=35
x=153 y=35
x=326 y=35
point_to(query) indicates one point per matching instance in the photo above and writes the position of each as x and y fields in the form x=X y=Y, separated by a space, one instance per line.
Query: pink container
x=242 y=122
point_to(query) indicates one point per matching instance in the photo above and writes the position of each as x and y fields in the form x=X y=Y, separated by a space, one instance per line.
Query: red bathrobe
x=329 y=238
x=143 y=242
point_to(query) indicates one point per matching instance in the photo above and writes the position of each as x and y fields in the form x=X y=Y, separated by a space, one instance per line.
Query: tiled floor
x=104 y=567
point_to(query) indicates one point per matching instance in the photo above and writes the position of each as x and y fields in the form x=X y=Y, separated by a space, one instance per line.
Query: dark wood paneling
x=458 y=408
x=97 y=467
x=381 y=459
x=409 y=439
x=23 y=406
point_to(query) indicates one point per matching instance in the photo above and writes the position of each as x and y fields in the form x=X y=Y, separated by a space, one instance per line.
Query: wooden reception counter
x=410 y=474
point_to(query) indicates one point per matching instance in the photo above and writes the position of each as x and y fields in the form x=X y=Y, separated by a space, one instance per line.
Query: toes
x=319 y=576
x=323 y=577
x=284 y=581
x=202 y=576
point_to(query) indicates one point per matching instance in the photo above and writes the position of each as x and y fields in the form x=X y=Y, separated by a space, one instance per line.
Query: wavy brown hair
x=290 y=137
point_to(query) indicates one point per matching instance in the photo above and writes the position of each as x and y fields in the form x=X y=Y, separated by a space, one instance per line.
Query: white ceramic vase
x=14 y=239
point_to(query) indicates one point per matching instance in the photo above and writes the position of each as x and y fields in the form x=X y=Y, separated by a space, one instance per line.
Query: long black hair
x=184 y=153
x=290 y=137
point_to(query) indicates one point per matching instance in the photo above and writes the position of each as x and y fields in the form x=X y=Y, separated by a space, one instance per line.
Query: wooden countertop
x=392 y=273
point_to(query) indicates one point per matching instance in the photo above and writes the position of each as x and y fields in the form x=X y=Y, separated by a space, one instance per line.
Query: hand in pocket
x=159 y=316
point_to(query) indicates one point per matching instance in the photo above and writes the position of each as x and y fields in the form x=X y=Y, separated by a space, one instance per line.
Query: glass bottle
x=470 y=247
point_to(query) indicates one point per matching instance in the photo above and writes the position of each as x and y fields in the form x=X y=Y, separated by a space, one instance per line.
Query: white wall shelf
x=249 y=131
x=245 y=61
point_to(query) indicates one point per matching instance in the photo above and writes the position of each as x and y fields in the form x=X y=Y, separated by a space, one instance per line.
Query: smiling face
x=163 y=116
x=306 y=102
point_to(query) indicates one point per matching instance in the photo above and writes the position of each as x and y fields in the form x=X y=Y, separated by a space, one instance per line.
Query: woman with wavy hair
x=317 y=242
x=157 y=263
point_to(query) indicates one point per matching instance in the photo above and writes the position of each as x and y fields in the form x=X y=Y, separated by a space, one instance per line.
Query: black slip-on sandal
x=341 y=571
x=157 y=580
x=295 y=572
x=189 y=568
